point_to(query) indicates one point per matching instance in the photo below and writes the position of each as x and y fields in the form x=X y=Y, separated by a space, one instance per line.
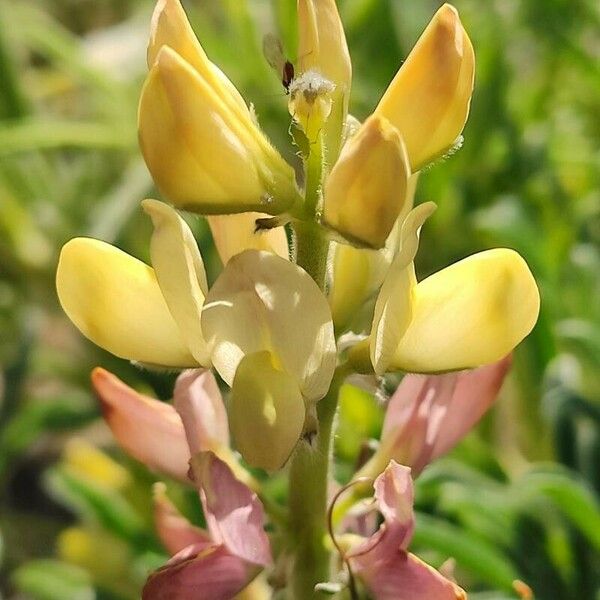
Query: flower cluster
x=271 y=323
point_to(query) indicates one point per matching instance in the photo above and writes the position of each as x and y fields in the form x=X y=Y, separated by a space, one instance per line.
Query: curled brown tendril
x=351 y=581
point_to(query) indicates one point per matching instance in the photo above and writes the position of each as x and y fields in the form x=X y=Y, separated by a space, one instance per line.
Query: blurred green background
x=519 y=498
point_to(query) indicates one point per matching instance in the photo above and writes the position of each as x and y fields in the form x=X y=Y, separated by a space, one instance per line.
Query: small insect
x=273 y=52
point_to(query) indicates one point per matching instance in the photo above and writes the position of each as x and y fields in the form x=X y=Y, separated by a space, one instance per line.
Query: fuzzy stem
x=309 y=478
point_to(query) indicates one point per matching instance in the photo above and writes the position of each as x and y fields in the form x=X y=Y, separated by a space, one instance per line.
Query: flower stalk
x=308 y=485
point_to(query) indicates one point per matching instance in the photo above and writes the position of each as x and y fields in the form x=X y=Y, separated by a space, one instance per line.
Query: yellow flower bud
x=322 y=42
x=359 y=272
x=170 y=27
x=204 y=155
x=428 y=100
x=322 y=48
x=367 y=188
x=267 y=412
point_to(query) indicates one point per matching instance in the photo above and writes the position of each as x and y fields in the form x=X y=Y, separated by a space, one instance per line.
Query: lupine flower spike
x=306 y=260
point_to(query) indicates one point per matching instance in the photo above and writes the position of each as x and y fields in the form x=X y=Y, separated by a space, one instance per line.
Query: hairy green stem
x=309 y=478
x=312 y=248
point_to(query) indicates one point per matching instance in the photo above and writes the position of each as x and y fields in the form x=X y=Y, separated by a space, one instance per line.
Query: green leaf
x=39 y=417
x=571 y=497
x=470 y=552
x=97 y=504
x=53 y=580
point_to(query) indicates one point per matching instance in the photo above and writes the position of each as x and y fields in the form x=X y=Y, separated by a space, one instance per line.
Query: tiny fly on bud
x=273 y=52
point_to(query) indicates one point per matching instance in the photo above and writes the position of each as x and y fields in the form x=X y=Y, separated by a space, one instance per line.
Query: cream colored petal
x=266 y=413
x=170 y=27
x=233 y=234
x=367 y=188
x=263 y=302
x=116 y=302
x=429 y=98
x=395 y=304
x=180 y=273
x=204 y=156
x=470 y=314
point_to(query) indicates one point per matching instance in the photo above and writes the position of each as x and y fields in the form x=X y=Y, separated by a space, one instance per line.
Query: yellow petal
x=367 y=188
x=233 y=234
x=180 y=273
x=204 y=156
x=170 y=27
x=428 y=100
x=322 y=48
x=470 y=314
x=116 y=302
x=263 y=302
x=359 y=272
x=267 y=412
x=395 y=304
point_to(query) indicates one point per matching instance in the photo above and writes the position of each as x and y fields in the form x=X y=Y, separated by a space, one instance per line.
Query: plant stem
x=312 y=249
x=309 y=478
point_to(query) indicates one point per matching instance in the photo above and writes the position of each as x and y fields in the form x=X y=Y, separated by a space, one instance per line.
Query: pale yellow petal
x=357 y=273
x=429 y=98
x=266 y=413
x=233 y=234
x=470 y=314
x=264 y=302
x=170 y=27
x=322 y=48
x=204 y=156
x=116 y=302
x=396 y=302
x=180 y=273
x=367 y=188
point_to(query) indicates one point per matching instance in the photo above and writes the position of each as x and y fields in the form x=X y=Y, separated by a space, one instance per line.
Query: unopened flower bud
x=311 y=101
x=205 y=156
x=322 y=48
x=367 y=188
x=428 y=100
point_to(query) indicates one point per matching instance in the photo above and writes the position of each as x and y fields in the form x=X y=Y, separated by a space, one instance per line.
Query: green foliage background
x=519 y=497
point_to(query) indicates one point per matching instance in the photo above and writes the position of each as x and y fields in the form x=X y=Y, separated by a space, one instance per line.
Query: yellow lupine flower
x=322 y=48
x=428 y=100
x=367 y=188
x=115 y=300
x=467 y=315
x=170 y=27
x=198 y=138
x=90 y=462
x=261 y=302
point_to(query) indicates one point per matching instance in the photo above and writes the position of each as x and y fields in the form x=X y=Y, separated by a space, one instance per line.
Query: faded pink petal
x=382 y=563
x=474 y=395
x=428 y=415
x=198 y=401
x=402 y=576
x=394 y=496
x=234 y=514
x=174 y=530
x=207 y=573
x=147 y=429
